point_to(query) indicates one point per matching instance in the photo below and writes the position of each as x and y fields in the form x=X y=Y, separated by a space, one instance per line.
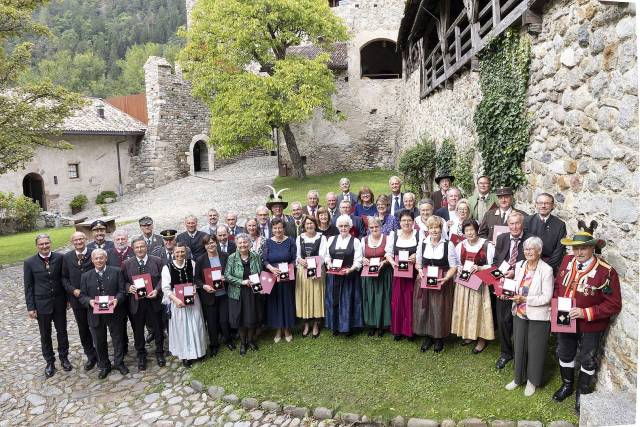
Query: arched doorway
x=380 y=60
x=200 y=157
x=33 y=187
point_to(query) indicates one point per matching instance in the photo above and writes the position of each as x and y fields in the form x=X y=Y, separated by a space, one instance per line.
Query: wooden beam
x=442 y=30
x=458 y=43
x=495 y=9
x=532 y=21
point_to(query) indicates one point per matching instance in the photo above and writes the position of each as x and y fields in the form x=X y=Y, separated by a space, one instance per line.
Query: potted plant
x=78 y=203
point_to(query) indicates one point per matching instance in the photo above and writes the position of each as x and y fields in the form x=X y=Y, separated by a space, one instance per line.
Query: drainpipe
x=120 y=186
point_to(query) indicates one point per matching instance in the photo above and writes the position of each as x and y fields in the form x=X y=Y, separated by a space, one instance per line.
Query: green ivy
x=418 y=166
x=446 y=157
x=501 y=118
x=463 y=171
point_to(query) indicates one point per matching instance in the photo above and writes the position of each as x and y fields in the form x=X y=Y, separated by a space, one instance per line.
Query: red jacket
x=596 y=290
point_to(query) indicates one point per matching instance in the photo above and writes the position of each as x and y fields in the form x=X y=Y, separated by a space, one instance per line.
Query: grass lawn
x=377 y=180
x=17 y=247
x=382 y=378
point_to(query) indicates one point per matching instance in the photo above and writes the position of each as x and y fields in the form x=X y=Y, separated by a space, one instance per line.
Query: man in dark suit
x=313 y=200
x=232 y=223
x=346 y=194
x=104 y=280
x=212 y=222
x=122 y=251
x=448 y=213
x=297 y=215
x=165 y=253
x=509 y=249
x=224 y=243
x=147 y=310
x=264 y=224
x=192 y=237
x=498 y=215
x=99 y=230
x=396 y=197
x=439 y=197
x=277 y=207
x=146 y=227
x=332 y=204
x=47 y=302
x=358 y=229
x=549 y=228
x=74 y=264
x=409 y=203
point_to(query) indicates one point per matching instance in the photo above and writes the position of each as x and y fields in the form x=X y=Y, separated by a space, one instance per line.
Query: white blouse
x=401 y=243
x=423 y=226
x=435 y=252
x=312 y=240
x=475 y=248
x=166 y=279
x=342 y=243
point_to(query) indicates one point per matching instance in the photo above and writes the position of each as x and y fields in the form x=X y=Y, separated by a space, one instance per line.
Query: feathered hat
x=584 y=237
x=275 y=198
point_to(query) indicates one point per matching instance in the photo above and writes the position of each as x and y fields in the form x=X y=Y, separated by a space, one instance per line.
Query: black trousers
x=217 y=318
x=589 y=346
x=145 y=315
x=59 y=319
x=126 y=314
x=505 y=327
x=114 y=322
x=80 y=313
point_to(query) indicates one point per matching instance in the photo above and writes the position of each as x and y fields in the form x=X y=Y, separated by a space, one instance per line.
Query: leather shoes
x=150 y=337
x=426 y=344
x=231 y=346
x=397 y=337
x=439 y=345
x=142 y=365
x=502 y=362
x=214 y=350
x=49 y=370
x=186 y=363
x=122 y=369
x=103 y=372
x=89 y=364
x=66 y=365
x=161 y=361
x=243 y=350
x=253 y=346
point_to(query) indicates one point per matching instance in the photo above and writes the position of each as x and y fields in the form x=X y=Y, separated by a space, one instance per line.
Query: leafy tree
x=30 y=112
x=418 y=166
x=446 y=157
x=229 y=40
x=463 y=170
x=131 y=79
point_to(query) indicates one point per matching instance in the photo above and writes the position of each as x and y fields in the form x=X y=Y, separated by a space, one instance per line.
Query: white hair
x=395 y=178
x=120 y=232
x=456 y=189
x=533 y=242
x=345 y=180
x=344 y=219
x=225 y=227
x=97 y=252
x=313 y=193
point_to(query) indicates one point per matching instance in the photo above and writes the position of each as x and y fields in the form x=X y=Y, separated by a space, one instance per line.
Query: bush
x=79 y=202
x=17 y=213
x=463 y=171
x=100 y=199
x=446 y=157
x=418 y=166
x=104 y=210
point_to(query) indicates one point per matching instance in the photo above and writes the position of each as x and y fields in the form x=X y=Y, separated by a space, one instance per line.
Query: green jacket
x=234 y=272
x=490 y=201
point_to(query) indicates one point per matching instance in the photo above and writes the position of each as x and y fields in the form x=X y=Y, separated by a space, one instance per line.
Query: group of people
x=359 y=262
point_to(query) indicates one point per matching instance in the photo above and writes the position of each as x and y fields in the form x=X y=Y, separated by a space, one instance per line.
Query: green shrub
x=463 y=171
x=100 y=199
x=104 y=210
x=17 y=213
x=418 y=166
x=446 y=157
x=79 y=202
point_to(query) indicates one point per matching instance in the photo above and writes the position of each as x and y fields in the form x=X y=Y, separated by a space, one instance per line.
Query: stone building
x=103 y=139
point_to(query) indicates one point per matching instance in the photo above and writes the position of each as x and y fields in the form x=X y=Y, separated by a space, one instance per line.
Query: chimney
x=100 y=110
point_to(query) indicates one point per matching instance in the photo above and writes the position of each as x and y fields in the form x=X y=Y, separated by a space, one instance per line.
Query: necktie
x=141 y=266
x=170 y=255
x=80 y=258
x=482 y=198
x=46 y=262
x=224 y=247
x=514 y=251
x=580 y=266
x=313 y=211
x=149 y=242
x=396 y=203
x=502 y=217
x=347 y=197
x=444 y=203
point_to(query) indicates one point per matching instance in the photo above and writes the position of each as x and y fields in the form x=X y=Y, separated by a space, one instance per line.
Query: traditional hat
x=98 y=223
x=168 y=234
x=275 y=198
x=145 y=220
x=504 y=191
x=442 y=175
x=584 y=237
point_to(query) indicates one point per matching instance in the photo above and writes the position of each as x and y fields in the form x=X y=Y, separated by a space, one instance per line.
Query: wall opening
x=33 y=187
x=200 y=157
x=380 y=60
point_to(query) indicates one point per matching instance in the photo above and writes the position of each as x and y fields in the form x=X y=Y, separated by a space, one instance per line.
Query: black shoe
x=502 y=362
x=150 y=337
x=584 y=387
x=122 y=369
x=412 y=338
x=231 y=346
x=372 y=332
x=160 y=360
x=243 y=350
x=66 y=365
x=397 y=337
x=214 y=350
x=142 y=365
x=566 y=389
x=426 y=344
x=103 y=372
x=186 y=363
x=380 y=333
x=253 y=346
x=348 y=334
x=439 y=345
x=336 y=333
x=49 y=370
x=89 y=364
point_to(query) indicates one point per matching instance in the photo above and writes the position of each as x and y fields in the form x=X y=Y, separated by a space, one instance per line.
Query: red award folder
x=185 y=292
x=213 y=277
x=103 y=304
x=560 y=321
x=315 y=271
x=491 y=276
x=336 y=268
x=429 y=281
x=286 y=275
x=403 y=268
x=267 y=281
x=143 y=284
x=471 y=281
x=456 y=238
x=371 y=270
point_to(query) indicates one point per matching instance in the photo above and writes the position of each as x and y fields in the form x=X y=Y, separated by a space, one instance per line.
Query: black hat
x=145 y=220
x=168 y=234
x=98 y=223
x=276 y=199
x=443 y=175
x=504 y=191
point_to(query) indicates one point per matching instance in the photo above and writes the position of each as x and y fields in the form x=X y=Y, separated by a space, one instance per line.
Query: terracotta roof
x=115 y=122
x=338 y=59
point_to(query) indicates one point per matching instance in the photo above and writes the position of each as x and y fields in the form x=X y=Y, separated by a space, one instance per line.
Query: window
x=73 y=171
x=379 y=60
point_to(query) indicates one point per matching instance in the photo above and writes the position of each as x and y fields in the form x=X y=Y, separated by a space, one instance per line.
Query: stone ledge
x=599 y=409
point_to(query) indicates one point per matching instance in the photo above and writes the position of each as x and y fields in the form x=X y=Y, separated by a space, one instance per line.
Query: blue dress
x=363 y=211
x=281 y=302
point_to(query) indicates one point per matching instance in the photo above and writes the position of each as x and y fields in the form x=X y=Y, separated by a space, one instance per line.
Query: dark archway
x=379 y=60
x=200 y=157
x=33 y=187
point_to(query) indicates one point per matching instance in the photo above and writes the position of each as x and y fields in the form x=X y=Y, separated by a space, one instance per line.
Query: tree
x=418 y=166
x=131 y=79
x=230 y=40
x=30 y=112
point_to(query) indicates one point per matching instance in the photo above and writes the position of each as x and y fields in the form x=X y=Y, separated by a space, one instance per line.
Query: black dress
x=248 y=311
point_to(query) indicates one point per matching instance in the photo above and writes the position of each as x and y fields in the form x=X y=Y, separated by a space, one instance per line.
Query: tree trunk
x=294 y=154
